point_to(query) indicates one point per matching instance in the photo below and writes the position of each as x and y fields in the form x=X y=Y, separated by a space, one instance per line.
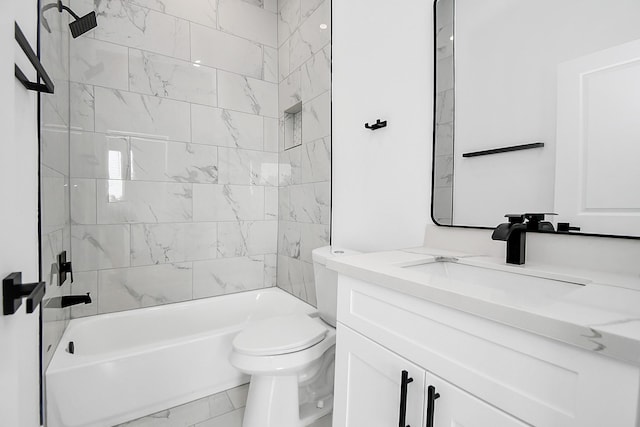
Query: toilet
x=291 y=358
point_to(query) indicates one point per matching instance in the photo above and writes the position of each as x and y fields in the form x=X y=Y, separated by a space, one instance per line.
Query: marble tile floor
x=225 y=409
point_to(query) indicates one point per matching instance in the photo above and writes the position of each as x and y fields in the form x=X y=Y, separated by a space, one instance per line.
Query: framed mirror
x=537 y=109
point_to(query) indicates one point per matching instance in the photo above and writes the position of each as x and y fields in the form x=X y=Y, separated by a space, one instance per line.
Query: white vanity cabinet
x=487 y=374
x=372 y=383
x=455 y=407
x=369 y=385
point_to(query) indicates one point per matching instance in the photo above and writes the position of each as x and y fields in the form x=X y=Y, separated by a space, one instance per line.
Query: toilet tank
x=326 y=281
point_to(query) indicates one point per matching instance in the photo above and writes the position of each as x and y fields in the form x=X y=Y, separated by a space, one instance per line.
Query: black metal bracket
x=64 y=268
x=504 y=149
x=377 y=125
x=48 y=86
x=13 y=290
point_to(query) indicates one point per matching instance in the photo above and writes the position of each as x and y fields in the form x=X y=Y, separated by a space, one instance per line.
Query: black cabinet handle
x=404 y=382
x=14 y=290
x=431 y=404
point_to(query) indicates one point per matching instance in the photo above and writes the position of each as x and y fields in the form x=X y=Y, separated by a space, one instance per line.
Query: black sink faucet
x=514 y=233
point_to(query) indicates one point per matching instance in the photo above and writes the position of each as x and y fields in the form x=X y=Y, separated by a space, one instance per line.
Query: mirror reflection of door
x=598 y=143
x=497 y=87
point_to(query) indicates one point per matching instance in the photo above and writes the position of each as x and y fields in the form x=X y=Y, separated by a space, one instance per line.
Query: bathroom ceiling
x=537 y=106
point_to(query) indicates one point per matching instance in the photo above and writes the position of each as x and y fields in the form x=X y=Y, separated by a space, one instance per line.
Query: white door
x=19 y=348
x=455 y=407
x=598 y=141
x=368 y=384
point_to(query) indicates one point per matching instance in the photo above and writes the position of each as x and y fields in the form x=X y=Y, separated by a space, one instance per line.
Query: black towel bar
x=504 y=149
x=48 y=86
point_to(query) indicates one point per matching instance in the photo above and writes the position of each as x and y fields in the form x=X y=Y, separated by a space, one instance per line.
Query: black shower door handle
x=404 y=382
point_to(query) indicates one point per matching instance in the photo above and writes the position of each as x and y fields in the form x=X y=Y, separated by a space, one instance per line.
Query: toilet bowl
x=291 y=358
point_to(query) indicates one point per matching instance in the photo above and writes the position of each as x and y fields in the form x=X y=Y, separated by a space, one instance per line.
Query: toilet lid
x=279 y=335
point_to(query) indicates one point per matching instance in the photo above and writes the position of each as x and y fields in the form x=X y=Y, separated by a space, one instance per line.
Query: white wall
x=382 y=68
x=19 y=362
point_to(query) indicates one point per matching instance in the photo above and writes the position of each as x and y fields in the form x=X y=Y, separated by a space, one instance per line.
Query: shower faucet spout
x=68 y=301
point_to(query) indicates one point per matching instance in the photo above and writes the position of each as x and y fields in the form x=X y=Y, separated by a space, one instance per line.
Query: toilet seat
x=280 y=335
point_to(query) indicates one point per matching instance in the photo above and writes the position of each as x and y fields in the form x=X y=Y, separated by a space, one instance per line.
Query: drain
x=71 y=348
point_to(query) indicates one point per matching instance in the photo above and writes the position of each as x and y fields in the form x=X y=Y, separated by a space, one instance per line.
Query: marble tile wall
x=443 y=159
x=174 y=151
x=304 y=58
x=54 y=175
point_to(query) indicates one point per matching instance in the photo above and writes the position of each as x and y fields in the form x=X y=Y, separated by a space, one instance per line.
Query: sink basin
x=494 y=284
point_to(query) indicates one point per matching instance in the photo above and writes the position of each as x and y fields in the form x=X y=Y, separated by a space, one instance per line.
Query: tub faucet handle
x=64 y=268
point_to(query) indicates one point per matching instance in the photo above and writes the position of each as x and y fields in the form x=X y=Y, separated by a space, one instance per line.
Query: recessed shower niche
x=293 y=126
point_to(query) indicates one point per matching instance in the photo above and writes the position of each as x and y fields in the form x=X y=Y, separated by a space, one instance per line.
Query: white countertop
x=599 y=312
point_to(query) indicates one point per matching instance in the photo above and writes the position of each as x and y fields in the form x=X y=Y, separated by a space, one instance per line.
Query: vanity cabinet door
x=369 y=382
x=455 y=407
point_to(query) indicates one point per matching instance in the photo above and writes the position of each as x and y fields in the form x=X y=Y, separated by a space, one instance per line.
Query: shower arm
x=71 y=12
x=60 y=8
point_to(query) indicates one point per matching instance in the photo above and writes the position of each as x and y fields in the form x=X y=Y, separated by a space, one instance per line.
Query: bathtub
x=134 y=363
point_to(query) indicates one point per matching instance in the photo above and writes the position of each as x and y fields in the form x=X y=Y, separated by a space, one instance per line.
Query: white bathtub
x=134 y=363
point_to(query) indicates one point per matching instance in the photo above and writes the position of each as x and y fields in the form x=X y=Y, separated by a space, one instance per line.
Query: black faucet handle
x=515 y=218
x=537 y=216
x=565 y=227
x=64 y=268
x=536 y=221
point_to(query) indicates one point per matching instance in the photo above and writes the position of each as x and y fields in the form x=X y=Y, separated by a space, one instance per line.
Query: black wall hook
x=377 y=125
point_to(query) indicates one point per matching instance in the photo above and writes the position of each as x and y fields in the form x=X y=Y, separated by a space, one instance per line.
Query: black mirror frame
x=433 y=157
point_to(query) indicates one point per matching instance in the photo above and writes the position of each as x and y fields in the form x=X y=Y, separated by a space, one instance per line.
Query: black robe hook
x=377 y=125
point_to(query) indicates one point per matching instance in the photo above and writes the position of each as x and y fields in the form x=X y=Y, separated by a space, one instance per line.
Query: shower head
x=78 y=27
x=84 y=24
